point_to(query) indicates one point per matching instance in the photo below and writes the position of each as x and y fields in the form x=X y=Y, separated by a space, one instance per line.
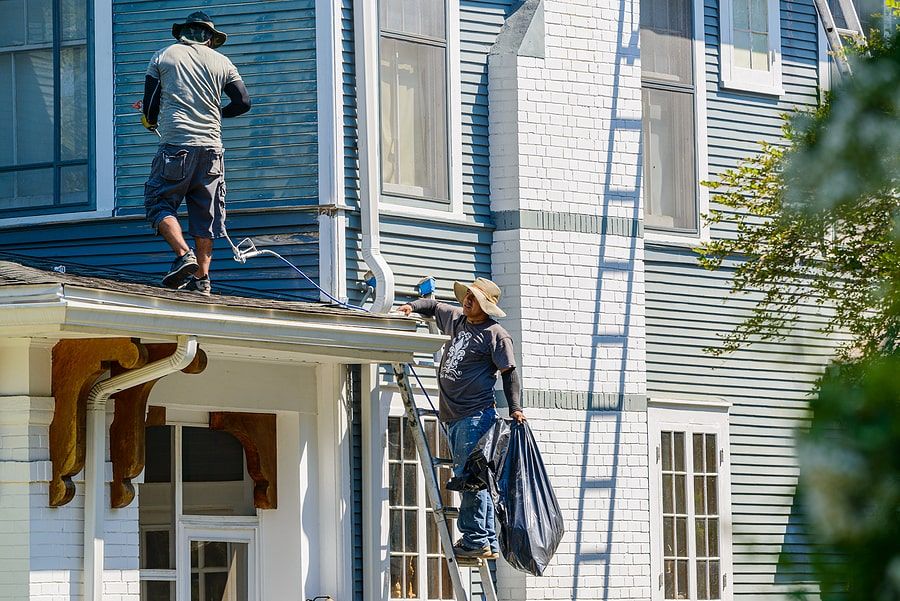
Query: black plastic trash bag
x=531 y=524
x=485 y=459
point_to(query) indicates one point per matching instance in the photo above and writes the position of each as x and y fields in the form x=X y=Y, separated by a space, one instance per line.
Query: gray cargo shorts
x=192 y=173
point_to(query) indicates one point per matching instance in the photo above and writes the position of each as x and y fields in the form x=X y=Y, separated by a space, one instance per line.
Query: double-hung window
x=690 y=517
x=669 y=129
x=44 y=91
x=414 y=98
x=751 y=45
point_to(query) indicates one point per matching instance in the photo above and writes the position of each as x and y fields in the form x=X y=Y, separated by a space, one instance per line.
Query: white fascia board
x=87 y=311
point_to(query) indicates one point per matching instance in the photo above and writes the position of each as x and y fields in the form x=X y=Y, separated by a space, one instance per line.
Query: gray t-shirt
x=471 y=360
x=192 y=78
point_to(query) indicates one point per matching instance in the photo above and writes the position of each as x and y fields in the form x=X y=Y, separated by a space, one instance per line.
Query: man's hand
x=519 y=416
x=405 y=309
x=147 y=124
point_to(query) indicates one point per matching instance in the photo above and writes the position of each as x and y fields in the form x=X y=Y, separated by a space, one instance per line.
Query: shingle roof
x=17 y=270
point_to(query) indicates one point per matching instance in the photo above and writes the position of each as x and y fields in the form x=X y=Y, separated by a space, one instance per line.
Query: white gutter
x=95 y=464
x=365 y=28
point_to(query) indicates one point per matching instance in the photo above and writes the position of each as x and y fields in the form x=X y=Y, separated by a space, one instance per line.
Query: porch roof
x=38 y=302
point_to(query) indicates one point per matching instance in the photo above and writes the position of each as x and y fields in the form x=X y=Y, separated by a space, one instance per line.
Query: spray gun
x=139 y=106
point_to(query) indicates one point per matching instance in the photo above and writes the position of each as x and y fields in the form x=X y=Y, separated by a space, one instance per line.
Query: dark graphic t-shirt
x=471 y=360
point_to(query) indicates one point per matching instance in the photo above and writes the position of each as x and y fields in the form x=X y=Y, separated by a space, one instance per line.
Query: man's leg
x=476 y=521
x=204 y=255
x=170 y=229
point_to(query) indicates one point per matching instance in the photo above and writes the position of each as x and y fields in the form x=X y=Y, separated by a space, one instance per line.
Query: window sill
x=742 y=85
x=395 y=210
x=675 y=239
x=52 y=218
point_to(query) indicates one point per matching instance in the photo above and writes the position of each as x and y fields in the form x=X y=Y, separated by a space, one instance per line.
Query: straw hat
x=486 y=292
x=201 y=18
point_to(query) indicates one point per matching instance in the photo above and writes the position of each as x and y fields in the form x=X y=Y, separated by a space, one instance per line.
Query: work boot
x=485 y=552
x=198 y=285
x=182 y=268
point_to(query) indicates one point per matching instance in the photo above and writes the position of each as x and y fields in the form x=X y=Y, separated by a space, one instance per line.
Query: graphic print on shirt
x=455 y=355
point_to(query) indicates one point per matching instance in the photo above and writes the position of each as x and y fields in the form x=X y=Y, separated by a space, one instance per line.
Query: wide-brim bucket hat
x=486 y=292
x=200 y=18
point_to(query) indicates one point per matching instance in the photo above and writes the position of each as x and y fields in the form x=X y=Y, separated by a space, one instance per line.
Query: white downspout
x=95 y=465
x=365 y=27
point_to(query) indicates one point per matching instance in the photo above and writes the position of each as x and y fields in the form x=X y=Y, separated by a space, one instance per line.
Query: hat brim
x=460 y=289
x=218 y=37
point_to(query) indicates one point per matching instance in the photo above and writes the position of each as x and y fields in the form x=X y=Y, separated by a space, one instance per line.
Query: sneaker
x=182 y=268
x=485 y=552
x=198 y=285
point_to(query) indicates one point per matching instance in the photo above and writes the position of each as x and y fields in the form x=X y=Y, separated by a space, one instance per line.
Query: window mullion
x=692 y=513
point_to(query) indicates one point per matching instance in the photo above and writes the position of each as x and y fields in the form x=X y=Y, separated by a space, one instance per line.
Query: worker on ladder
x=182 y=97
x=478 y=348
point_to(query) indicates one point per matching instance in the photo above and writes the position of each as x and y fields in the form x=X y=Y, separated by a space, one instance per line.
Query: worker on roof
x=182 y=98
x=478 y=348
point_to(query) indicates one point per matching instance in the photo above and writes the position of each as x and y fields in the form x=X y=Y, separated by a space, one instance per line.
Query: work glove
x=147 y=124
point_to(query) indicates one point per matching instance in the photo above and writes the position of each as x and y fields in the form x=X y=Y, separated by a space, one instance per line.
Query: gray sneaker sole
x=176 y=279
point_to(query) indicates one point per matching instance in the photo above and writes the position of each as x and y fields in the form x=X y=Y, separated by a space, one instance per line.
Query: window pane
x=7 y=190
x=446 y=583
x=34 y=108
x=699 y=496
x=714 y=580
x=668 y=494
x=669 y=579
x=742 y=49
x=395 y=483
x=702 y=592
x=740 y=10
x=211 y=456
x=410 y=531
x=666 y=451
x=11 y=31
x=682 y=579
x=7 y=127
x=679 y=451
x=712 y=496
x=407 y=442
x=680 y=495
x=666 y=31
x=700 y=538
x=157 y=591
x=156 y=555
x=411 y=574
x=670 y=172
x=414 y=120
x=681 y=537
x=33 y=188
x=713 y=527
x=214 y=584
x=434 y=578
x=759 y=15
x=410 y=489
x=396 y=530
x=219 y=572
x=416 y=17
x=669 y=536
x=396 y=577
x=73 y=183
x=711 y=454
x=697 y=446
x=74 y=106
x=394 y=438
x=74 y=19
x=215 y=554
x=39 y=15
x=759 y=50
x=432 y=540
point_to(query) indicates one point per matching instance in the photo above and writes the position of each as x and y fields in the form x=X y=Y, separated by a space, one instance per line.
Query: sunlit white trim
x=750 y=80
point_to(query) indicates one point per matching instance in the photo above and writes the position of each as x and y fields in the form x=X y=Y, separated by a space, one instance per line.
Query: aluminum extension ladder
x=440 y=512
x=835 y=33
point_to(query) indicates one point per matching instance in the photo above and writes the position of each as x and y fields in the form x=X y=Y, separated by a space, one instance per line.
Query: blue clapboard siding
x=413 y=247
x=271 y=152
x=128 y=245
x=768 y=384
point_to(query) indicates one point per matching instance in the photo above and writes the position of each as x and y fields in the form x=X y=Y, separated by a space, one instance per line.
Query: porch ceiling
x=39 y=303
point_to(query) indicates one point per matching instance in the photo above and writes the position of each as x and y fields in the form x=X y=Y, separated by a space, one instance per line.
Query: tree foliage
x=819 y=216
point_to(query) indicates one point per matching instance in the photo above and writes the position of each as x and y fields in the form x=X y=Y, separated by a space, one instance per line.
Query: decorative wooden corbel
x=77 y=364
x=126 y=433
x=256 y=433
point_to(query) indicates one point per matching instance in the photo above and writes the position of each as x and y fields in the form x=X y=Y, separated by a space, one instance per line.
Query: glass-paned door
x=417 y=566
x=689 y=481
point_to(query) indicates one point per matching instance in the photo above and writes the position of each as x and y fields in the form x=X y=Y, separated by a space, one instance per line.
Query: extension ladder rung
x=427 y=412
x=433 y=493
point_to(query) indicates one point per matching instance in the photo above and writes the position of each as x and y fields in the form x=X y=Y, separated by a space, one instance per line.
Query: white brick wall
x=597 y=463
x=565 y=138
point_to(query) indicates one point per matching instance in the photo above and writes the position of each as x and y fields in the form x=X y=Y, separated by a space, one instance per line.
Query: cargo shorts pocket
x=173 y=166
x=216 y=163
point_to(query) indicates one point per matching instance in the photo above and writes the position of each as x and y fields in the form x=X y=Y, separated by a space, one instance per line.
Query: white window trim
x=750 y=80
x=104 y=118
x=706 y=416
x=454 y=131
x=701 y=145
